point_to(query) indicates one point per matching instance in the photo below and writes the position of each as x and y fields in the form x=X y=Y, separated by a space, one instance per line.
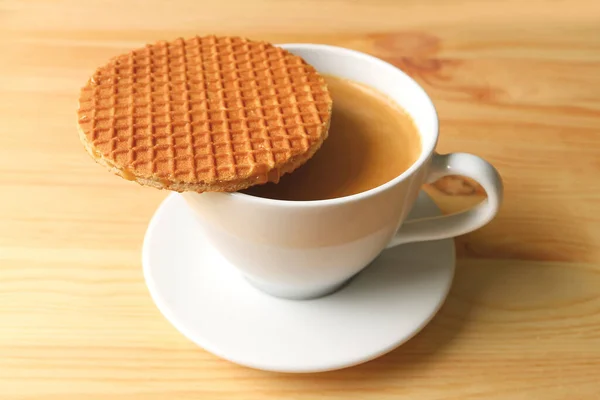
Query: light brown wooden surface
x=517 y=83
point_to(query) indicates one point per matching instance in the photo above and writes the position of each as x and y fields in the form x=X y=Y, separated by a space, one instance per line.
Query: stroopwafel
x=204 y=114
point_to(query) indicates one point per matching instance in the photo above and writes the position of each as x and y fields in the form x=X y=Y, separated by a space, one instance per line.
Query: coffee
x=371 y=141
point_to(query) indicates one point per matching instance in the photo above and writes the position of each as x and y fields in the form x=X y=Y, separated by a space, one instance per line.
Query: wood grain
x=516 y=83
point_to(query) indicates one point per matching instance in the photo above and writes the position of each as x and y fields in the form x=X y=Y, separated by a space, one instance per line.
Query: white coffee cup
x=305 y=249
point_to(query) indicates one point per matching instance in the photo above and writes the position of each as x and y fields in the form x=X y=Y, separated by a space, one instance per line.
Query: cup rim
x=423 y=157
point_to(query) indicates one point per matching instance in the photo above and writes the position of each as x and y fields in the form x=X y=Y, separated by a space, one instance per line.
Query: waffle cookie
x=204 y=114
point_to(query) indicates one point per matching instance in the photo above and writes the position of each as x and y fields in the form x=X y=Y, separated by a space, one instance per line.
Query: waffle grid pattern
x=206 y=109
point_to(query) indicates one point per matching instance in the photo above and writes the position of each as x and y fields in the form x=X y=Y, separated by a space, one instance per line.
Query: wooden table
x=517 y=83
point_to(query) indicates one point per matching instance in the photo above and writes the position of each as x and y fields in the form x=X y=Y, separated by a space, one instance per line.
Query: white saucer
x=208 y=301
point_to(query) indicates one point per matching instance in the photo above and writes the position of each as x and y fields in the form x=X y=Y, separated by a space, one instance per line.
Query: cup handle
x=460 y=223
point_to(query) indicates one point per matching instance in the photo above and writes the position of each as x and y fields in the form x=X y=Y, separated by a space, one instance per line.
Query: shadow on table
x=432 y=341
